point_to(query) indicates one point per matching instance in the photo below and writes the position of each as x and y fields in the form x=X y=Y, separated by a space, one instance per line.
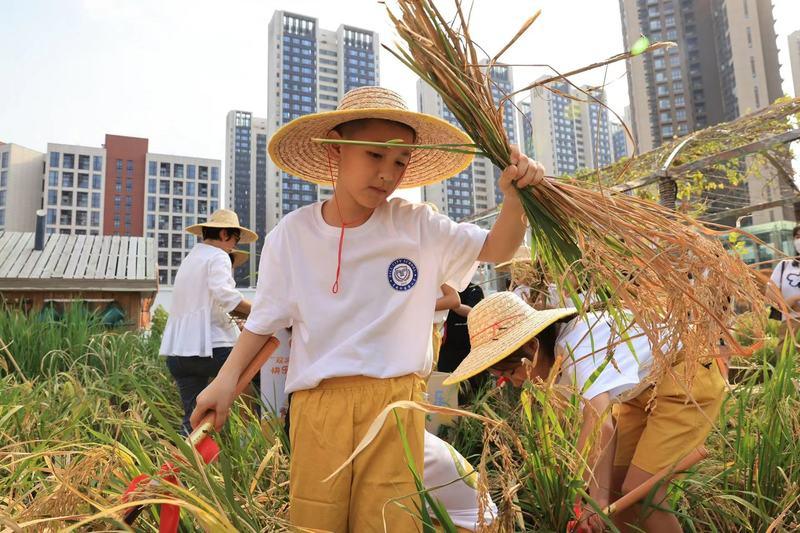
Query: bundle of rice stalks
x=668 y=270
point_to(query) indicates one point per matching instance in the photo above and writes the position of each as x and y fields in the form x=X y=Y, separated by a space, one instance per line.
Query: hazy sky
x=170 y=70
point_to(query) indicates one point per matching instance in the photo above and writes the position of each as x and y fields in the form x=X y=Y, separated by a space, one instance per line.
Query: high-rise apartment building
x=21 y=171
x=475 y=189
x=725 y=65
x=310 y=69
x=794 y=60
x=571 y=130
x=246 y=182
x=123 y=189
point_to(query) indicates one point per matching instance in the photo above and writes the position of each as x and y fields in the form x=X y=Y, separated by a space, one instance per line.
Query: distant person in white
x=199 y=333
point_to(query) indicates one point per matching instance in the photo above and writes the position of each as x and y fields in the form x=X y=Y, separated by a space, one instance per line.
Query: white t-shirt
x=584 y=344
x=203 y=295
x=379 y=323
x=444 y=467
x=789 y=283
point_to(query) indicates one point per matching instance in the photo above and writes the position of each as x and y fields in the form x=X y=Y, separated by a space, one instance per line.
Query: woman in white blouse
x=199 y=333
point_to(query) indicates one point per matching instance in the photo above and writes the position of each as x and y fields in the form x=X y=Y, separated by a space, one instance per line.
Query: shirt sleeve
x=776 y=275
x=221 y=283
x=272 y=306
x=456 y=246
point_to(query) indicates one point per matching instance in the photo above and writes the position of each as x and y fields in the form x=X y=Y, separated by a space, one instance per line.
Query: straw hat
x=499 y=325
x=523 y=254
x=293 y=151
x=240 y=257
x=224 y=218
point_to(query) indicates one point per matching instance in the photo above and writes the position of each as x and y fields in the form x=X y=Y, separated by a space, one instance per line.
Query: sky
x=170 y=70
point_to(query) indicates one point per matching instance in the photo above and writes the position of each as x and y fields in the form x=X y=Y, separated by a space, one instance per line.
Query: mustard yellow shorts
x=676 y=422
x=327 y=423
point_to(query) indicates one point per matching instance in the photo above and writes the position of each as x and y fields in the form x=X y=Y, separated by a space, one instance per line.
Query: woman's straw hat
x=498 y=326
x=227 y=219
x=293 y=151
x=240 y=257
x=523 y=254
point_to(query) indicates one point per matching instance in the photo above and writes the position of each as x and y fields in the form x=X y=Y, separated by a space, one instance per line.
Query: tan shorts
x=675 y=424
x=327 y=423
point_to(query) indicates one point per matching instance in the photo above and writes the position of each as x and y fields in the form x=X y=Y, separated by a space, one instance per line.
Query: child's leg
x=680 y=420
x=631 y=421
x=383 y=487
x=321 y=436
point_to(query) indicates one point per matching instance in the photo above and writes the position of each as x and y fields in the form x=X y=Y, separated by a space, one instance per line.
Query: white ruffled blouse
x=202 y=296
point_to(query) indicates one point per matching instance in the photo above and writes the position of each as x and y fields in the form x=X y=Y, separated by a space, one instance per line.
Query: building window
x=177 y=206
x=163 y=187
x=178 y=168
x=4 y=162
x=129 y=168
x=52 y=197
x=98 y=163
x=151 y=222
x=164 y=170
x=97 y=182
x=55 y=159
x=95 y=218
x=203 y=173
x=83 y=162
x=69 y=161
x=83 y=181
x=52 y=180
x=152 y=168
x=151 y=203
x=163 y=222
x=66 y=217
x=119 y=167
x=96 y=200
x=177 y=188
x=190 y=172
x=177 y=240
x=214 y=173
x=190 y=205
x=67 y=179
x=82 y=199
x=51 y=216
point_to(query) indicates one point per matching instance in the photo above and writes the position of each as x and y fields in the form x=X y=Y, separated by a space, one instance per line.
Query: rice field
x=84 y=409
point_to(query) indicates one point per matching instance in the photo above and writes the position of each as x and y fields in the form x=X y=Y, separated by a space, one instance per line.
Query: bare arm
x=462 y=310
x=219 y=394
x=509 y=229
x=243 y=308
x=449 y=300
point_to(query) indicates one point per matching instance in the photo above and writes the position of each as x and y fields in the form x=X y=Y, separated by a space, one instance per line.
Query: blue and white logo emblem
x=402 y=274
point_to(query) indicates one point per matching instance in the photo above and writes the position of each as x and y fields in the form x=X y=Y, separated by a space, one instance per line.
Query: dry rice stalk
x=668 y=270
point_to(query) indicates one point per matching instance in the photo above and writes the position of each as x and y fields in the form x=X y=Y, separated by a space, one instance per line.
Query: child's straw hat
x=293 y=151
x=240 y=257
x=498 y=326
x=225 y=219
x=523 y=254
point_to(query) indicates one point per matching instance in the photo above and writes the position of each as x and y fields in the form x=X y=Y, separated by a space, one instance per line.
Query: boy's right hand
x=217 y=399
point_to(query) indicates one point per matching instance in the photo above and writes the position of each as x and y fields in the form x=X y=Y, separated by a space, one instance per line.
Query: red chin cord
x=335 y=287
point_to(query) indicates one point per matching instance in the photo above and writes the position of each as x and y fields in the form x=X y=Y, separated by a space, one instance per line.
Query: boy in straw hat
x=356 y=278
x=607 y=362
x=199 y=334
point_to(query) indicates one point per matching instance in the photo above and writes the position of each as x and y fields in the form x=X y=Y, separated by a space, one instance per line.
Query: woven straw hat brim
x=506 y=343
x=247 y=236
x=293 y=151
x=240 y=257
x=505 y=266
